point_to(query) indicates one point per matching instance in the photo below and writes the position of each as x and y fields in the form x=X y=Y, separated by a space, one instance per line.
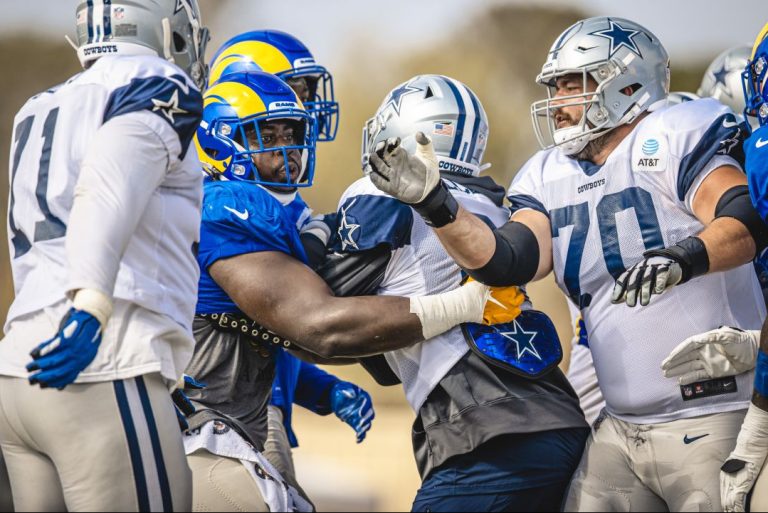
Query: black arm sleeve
x=736 y=203
x=360 y=274
x=515 y=260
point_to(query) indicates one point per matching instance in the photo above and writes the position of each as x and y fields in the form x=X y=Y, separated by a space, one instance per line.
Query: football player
x=481 y=441
x=104 y=216
x=581 y=370
x=631 y=198
x=283 y=55
x=256 y=141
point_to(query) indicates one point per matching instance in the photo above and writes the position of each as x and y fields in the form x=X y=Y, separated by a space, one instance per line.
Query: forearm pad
x=515 y=260
x=439 y=208
x=690 y=253
x=736 y=203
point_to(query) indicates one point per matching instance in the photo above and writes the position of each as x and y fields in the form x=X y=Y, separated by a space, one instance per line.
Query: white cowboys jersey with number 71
x=604 y=217
x=52 y=134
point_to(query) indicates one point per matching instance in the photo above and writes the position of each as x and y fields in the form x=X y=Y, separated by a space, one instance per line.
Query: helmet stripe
x=98 y=20
x=460 y=123
x=475 y=126
x=107 y=20
x=763 y=34
x=89 y=17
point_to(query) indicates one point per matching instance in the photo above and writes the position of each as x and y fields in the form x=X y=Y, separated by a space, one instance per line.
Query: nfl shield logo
x=119 y=13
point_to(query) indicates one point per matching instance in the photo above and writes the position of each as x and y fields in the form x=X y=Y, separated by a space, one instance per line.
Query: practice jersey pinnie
x=604 y=217
x=240 y=218
x=51 y=136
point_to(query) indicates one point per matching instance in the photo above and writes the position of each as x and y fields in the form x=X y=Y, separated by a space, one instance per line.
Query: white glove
x=714 y=354
x=409 y=178
x=652 y=275
x=741 y=470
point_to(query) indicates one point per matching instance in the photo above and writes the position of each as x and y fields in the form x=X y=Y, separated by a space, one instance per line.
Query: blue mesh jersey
x=239 y=218
x=756 y=152
x=604 y=217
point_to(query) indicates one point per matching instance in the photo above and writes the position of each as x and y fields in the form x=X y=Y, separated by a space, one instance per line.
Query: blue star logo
x=720 y=75
x=346 y=229
x=396 y=96
x=523 y=340
x=619 y=37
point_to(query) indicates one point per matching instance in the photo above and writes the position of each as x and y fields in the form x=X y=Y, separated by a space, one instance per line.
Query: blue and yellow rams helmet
x=755 y=79
x=285 y=56
x=236 y=113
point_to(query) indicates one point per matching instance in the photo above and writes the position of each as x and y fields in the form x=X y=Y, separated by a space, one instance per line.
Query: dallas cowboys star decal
x=395 y=97
x=619 y=37
x=346 y=229
x=522 y=339
x=720 y=76
x=169 y=107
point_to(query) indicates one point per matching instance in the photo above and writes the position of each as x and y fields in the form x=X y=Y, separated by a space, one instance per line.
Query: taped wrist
x=441 y=312
x=95 y=303
x=515 y=260
x=439 y=208
x=736 y=203
x=690 y=253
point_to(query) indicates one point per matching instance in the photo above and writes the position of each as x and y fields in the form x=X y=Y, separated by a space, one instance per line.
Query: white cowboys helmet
x=722 y=80
x=168 y=28
x=444 y=109
x=619 y=55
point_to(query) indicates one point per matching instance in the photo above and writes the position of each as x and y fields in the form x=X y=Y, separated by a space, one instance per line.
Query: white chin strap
x=568 y=140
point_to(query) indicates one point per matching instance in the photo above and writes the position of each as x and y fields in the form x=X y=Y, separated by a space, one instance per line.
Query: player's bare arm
x=514 y=254
x=271 y=287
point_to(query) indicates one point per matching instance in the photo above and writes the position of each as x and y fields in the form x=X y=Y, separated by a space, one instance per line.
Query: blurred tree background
x=497 y=54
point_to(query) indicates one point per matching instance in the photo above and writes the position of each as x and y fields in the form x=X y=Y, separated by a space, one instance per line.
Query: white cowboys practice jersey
x=158 y=272
x=419 y=265
x=604 y=217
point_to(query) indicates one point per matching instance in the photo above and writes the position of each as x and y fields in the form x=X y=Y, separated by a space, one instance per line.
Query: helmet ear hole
x=631 y=89
x=429 y=93
x=179 y=43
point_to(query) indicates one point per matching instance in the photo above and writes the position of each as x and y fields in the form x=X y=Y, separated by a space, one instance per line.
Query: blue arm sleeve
x=313 y=390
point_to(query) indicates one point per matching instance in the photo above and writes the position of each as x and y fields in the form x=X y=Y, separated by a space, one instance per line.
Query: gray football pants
x=109 y=446
x=673 y=466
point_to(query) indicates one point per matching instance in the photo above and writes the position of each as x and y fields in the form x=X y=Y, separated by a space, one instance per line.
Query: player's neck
x=600 y=149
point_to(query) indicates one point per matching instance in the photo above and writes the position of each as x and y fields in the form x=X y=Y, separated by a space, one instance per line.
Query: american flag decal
x=443 y=129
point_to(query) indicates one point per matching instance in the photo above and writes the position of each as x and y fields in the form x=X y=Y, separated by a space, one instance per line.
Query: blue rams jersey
x=756 y=152
x=298 y=211
x=604 y=217
x=239 y=218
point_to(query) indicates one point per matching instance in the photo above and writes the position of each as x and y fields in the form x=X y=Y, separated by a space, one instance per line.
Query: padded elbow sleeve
x=735 y=203
x=515 y=260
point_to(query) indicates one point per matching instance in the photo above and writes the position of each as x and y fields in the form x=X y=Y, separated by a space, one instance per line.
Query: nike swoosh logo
x=729 y=124
x=689 y=441
x=760 y=143
x=242 y=215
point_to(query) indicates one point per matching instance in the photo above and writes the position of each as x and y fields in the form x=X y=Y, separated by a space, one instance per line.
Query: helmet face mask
x=445 y=110
x=755 y=84
x=170 y=29
x=237 y=136
x=285 y=56
x=629 y=65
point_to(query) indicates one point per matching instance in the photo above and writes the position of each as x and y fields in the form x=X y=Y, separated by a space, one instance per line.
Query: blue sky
x=690 y=29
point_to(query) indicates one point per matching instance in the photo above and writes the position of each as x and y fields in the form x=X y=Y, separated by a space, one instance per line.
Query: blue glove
x=182 y=404
x=353 y=405
x=61 y=359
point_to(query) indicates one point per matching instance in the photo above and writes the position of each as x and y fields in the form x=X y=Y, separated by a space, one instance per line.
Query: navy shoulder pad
x=367 y=221
x=171 y=98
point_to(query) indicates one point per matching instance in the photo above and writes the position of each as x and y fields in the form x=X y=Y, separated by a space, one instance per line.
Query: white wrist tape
x=95 y=303
x=441 y=312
